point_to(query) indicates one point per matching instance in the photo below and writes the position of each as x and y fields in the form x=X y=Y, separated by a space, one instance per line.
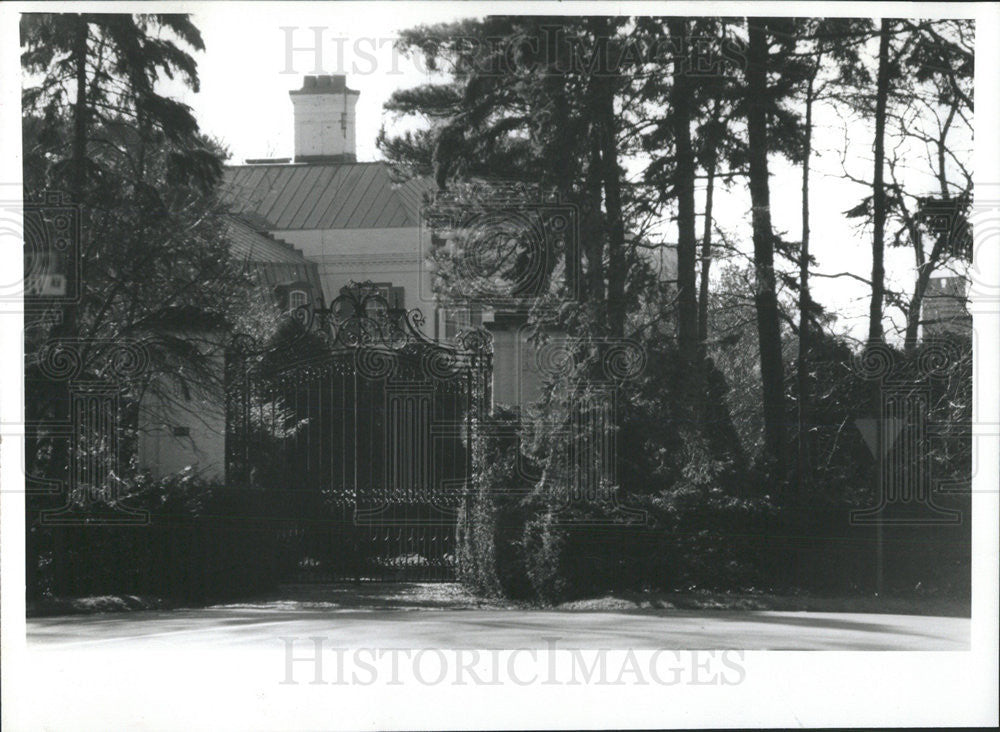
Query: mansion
x=310 y=225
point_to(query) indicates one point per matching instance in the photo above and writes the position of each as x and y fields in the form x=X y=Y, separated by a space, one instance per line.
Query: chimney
x=324 y=119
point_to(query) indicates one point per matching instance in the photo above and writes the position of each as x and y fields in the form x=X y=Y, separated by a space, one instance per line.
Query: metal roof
x=271 y=261
x=250 y=243
x=323 y=196
x=270 y=274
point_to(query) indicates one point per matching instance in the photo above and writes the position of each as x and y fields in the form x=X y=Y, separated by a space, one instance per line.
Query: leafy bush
x=202 y=542
x=490 y=532
x=546 y=554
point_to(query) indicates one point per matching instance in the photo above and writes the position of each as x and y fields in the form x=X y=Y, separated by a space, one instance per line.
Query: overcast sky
x=244 y=102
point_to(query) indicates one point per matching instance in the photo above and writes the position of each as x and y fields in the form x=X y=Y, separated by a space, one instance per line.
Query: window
x=377 y=297
x=373 y=305
x=297 y=298
x=457 y=319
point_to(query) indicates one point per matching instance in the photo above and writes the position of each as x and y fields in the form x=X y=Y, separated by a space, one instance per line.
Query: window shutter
x=396 y=298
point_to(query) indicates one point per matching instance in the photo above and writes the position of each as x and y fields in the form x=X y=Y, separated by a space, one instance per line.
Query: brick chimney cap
x=325 y=84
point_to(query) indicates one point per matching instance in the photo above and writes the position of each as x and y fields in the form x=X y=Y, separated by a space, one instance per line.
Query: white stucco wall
x=516 y=380
x=394 y=255
x=202 y=413
x=379 y=255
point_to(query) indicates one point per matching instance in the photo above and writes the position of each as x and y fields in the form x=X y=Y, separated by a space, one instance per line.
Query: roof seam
x=323 y=196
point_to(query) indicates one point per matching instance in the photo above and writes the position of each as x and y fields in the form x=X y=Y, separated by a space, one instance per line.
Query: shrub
x=202 y=542
x=545 y=552
x=490 y=531
x=715 y=520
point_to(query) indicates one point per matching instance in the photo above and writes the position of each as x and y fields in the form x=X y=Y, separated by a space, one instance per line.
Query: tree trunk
x=916 y=305
x=78 y=181
x=564 y=170
x=603 y=87
x=924 y=272
x=765 y=297
x=67 y=327
x=617 y=262
x=592 y=230
x=706 y=238
x=875 y=332
x=804 y=300
x=80 y=110
x=706 y=255
x=684 y=170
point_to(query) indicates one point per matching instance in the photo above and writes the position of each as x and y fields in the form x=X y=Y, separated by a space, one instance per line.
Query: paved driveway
x=227 y=667
x=442 y=616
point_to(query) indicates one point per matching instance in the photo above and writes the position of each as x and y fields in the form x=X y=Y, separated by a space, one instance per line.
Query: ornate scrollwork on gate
x=361 y=406
x=361 y=318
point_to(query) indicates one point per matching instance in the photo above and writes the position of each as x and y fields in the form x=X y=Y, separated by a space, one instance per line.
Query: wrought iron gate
x=358 y=429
